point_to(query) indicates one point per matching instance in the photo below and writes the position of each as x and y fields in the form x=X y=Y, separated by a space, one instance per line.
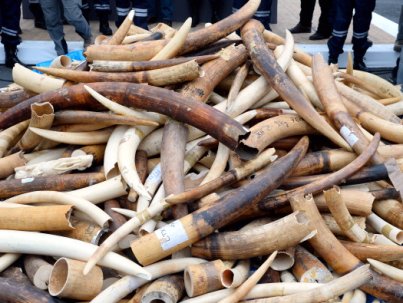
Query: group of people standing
x=334 y=21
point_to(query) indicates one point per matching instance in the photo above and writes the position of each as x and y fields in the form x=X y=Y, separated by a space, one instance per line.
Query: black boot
x=104 y=23
x=299 y=29
x=194 y=6
x=359 y=64
x=11 y=55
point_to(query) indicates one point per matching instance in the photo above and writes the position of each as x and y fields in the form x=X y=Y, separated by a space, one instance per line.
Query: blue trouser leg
x=10 y=20
x=74 y=16
x=343 y=12
x=262 y=14
x=54 y=24
x=361 y=23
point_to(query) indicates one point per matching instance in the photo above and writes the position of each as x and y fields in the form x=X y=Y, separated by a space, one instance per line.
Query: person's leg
x=305 y=17
x=361 y=23
x=152 y=11
x=166 y=11
x=140 y=13
x=36 y=10
x=194 y=6
x=263 y=13
x=11 y=13
x=54 y=24
x=216 y=11
x=343 y=11
x=74 y=16
x=122 y=10
x=103 y=9
x=399 y=38
x=86 y=10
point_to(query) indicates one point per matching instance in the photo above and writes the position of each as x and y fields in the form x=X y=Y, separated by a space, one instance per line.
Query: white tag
x=171 y=235
x=27 y=180
x=348 y=135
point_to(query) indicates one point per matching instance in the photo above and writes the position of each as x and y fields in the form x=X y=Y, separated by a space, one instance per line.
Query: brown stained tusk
x=40 y=218
x=78 y=116
x=249 y=243
x=67 y=281
x=197 y=114
x=13 y=97
x=9 y=188
x=194 y=41
x=390 y=271
x=83 y=138
x=9 y=163
x=327 y=291
x=264 y=59
x=121 y=32
x=7 y=136
x=245 y=287
x=97 y=152
x=323 y=162
x=174 y=45
x=384 y=253
x=42 y=115
x=367 y=103
x=35 y=82
x=51 y=245
x=149 y=249
x=94 y=212
x=338 y=257
x=308 y=269
x=13 y=291
x=357 y=82
x=38 y=271
x=84 y=231
x=203 y=278
x=158 y=77
x=117 y=219
x=343 y=218
x=228 y=178
x=390 y=210
x=168 y=289
x=268 y=131
x=130 y=66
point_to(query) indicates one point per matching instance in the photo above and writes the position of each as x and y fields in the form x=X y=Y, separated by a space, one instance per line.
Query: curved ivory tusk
x=42 y=115
x=175 y=44
x=380 y=252
x=390 y=271
x=390 y=210
x=327 y=291
x=343 y=218
x=367 y=103
x=80 y=138
x=391 y=232
x=7 y=259
x=126 y=151
x=61 y=62
x=158 y=77
x=219 y=164
x=44 y=155
x=396 y=108
x=122 y=30
x=123 y=110
x=133 y=38
x=51 y=245
x=53 y=167
x=111 y=151
x=94 y=212
x=233 y=277
x=102 y=191
x=128 y=284
x=9 y=163
x=237 y=84
x=242 y=290
x=287 y=277
x=35 y=82
x=8 y=135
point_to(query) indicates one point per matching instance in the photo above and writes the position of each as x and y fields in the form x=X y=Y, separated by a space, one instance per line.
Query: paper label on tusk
x=171 y=235
x=348 y=135
x=27 y=180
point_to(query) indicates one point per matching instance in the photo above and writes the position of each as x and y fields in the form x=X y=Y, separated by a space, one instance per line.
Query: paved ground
x=288 y=12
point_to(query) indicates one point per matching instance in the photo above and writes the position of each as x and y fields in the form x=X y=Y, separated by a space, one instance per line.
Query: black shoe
x=332 y=59
x=299 y=29
x=360 y=65
x=398 y=46
x=40 y=24
x=11 y=56
x=318 y=36
x=64 y=45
